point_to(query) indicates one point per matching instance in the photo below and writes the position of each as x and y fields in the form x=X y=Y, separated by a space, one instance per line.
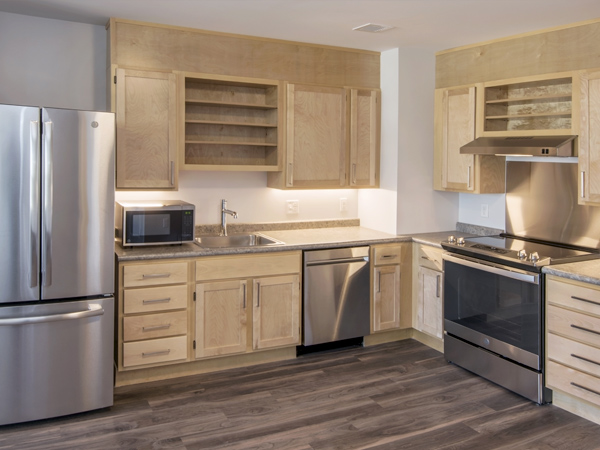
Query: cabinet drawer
x=154 y=274
x=430 y=257
x=574 y=354
x=259 y=265
x=154 y=351
x=388 y=254
x=573 y=382
x=573 y=296
x=574 y=325
x=150 y=326
x=155 y=299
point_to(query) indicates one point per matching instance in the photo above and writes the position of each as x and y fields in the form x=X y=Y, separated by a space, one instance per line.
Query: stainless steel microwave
x=154 y=222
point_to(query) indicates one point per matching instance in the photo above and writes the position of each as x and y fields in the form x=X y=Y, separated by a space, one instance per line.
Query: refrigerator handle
x=93 y=310
x=47 y=206
x=34 y=189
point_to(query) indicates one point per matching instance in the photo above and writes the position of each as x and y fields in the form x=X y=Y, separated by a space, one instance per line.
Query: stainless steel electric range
x=494 y=285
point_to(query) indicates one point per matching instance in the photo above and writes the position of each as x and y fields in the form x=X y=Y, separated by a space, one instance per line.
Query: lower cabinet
x=428 y=317
x=247 y=303
x=152 y=313
x=386 y=298
x=573 y=343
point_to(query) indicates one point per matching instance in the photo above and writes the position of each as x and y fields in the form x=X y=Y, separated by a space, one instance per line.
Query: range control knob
x=460 y=241
x=534 y=257
x=451 y=239
x=522 y=254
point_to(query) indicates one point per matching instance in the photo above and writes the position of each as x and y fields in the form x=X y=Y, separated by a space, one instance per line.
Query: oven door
x=147 y=227
x=495 y=307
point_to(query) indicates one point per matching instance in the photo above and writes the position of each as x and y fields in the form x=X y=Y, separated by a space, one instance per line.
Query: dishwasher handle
x=326 y=262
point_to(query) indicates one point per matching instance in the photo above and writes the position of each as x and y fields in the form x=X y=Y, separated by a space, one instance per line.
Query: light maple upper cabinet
x=589 y=138
x=365 y=112
x=145 y=106
x=332 y=138
x=454 y=124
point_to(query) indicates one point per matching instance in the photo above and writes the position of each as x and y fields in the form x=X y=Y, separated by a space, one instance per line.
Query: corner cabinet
x=454 y=126
x=145 y=106
x=229 y=123
x=332 y=138
x=589 y=138
x=246 y=303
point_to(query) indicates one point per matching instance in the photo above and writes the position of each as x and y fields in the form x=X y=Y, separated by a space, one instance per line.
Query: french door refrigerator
x=56 y=262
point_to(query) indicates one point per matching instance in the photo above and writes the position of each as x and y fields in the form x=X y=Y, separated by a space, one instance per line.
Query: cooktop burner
x=519 y=251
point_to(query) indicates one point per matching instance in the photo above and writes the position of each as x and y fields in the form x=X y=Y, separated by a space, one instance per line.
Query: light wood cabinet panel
x=150 y=326
x=154 y=351
x=148 y=300
x=316 y=137
x=138 y=275
x=574 y=325
x=221 y=318
x=257 y=265
x=589 y=138
x=429 y=309
x=387 y=254
x=386 y=297
x=573 y=382
x=276 y=311
x=365 y=113
x=574 y=354
x=455 y=126
x=146 y=129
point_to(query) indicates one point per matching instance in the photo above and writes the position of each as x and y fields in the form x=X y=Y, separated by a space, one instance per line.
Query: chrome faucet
x=224 y=212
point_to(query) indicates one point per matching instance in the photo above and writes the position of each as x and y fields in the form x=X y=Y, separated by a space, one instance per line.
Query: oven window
x=503 y=308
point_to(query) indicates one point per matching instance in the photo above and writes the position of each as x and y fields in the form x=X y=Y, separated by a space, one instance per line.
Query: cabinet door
x=429 y=305
x=220 y=318
x=455 y=126
x=386 y=297
x=589 y=139
x=364 y=137
x=276 y=311
x=316 y=137
x=146 y=130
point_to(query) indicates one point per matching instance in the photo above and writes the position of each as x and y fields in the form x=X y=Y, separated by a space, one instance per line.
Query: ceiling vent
x=373 y=28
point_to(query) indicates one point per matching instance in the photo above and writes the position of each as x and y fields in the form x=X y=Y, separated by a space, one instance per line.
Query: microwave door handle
x=47 y=205
x=497 y=270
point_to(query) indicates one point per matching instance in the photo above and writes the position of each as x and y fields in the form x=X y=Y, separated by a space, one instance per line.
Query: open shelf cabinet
x=230 y=123
x=529 y=106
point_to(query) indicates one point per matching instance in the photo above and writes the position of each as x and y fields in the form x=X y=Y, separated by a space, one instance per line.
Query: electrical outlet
x=343 y=204
x=485 y=210
x=292 y=206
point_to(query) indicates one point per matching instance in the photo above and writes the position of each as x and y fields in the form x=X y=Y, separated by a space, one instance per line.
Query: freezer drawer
x=56 y=359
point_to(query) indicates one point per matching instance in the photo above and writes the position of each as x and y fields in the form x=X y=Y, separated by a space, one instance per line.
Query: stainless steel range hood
x=521 y=146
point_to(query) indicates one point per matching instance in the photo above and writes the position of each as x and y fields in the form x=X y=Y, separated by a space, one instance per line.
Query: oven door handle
x=485 y=266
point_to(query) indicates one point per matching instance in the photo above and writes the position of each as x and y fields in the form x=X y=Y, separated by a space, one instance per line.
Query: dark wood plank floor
x=392 y=396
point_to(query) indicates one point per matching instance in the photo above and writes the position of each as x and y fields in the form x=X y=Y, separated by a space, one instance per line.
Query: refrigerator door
x=78 y=181
x=19 y=203
x=57 y=359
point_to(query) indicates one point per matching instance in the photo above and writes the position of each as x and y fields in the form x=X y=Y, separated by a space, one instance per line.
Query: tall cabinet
x=589 y=138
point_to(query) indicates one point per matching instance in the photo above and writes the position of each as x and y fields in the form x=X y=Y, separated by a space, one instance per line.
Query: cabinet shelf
x=231 y=124
x=531 y=106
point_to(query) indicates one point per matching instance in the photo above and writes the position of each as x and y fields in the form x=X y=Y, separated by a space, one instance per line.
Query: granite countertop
x=585 y=271
x=299 y=239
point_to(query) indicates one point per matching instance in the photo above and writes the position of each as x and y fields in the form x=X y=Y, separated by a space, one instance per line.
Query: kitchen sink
x=237 y=240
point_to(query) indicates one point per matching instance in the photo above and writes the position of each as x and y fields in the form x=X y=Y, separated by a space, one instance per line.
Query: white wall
x=377 y=208
x=52 y=63
x=471 y=209
x=420 y=208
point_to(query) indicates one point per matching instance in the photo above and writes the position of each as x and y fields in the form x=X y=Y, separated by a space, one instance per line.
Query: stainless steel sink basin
x=237 y=240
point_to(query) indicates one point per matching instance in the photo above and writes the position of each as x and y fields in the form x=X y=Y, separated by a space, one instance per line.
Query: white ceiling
x=428 y=24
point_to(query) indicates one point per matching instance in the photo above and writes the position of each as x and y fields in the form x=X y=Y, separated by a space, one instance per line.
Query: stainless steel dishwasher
x=336 y=294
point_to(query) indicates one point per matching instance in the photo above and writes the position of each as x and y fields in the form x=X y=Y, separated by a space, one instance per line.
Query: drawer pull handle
x=388 y=256
x=427 y=258
x=585 y=359
x=156 y=275
x=585 y=329
x=585 y=388
x=158 y=353
x=157 y=327
x=585 y=300
x=158 y=300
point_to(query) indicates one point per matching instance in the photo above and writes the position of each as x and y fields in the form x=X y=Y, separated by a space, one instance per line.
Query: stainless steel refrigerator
x=56 y=262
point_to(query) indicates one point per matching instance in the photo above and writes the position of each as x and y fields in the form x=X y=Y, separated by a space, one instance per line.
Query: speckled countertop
x=585 y=271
